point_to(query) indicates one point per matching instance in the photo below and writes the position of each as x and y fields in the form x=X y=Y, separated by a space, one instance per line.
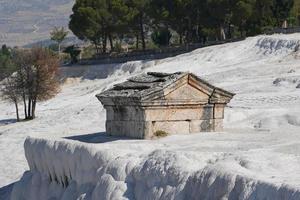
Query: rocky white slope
x=256 y=157
x=29 y=21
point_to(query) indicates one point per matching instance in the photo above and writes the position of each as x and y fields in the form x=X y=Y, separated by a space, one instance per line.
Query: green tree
x=5 y=51
x=6 y=63
x=99 y=21
x=295 y=13
x=58 y=35
x=86 y=24
x=116 y=19
x=139 y=18
x=74 y=53
x=281 y=10
x=220 y=14
x=161 y=37
x=242 y=11
x=261 y=18
x=178 y=15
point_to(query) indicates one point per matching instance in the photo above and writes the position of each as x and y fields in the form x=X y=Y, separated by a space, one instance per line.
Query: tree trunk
x=189 y=32
x=17 y=111
x=180 y=38
x=96 y=46
x=142 y=32
x=33 y=108
x=29 y=109
x=104 y=42
x=186 y=37
x=25 y=106
x=222 y=33
x=111 y=42
x=137 y=41
x=97 y=49
x=229 y=31
x=58 y=49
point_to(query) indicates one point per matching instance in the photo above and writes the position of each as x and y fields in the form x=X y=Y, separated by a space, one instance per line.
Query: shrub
x=161 y=37
x=74 y=53
x=118 y=47
x=88 y=52
x=160 y=133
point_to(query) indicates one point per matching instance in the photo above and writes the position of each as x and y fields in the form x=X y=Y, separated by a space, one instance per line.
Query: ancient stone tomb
x=178 y=103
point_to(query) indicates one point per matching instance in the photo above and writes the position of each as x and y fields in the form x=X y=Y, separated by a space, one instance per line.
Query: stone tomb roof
x=153 y=86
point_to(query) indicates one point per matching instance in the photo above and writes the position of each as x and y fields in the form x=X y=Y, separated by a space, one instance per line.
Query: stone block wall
x=143 y=122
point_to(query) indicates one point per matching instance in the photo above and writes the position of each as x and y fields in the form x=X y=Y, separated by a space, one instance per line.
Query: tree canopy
x=100 y=21
x=58 y=35
x=33 y=79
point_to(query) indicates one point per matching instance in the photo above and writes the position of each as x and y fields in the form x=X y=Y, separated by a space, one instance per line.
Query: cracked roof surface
x=143 y=84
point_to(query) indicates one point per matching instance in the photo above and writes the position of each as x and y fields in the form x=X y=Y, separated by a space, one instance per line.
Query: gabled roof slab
x=152 y=88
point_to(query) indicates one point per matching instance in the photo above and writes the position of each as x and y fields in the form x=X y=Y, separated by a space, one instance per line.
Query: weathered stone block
x=218 y=124
x=182 y=113
x=124 y=113
x=219 y=111
x=132 y=129
x=197 y=126
x=171 y=127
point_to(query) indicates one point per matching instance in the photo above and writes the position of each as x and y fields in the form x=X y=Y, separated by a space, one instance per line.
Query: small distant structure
x=177 y=103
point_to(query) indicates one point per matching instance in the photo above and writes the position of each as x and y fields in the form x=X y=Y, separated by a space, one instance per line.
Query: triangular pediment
x=187 y=92
x=191 y=88
x=185 y=89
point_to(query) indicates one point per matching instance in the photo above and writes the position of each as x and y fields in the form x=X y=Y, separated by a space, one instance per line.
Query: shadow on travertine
x=6 y=191
x=101 y=137
x=7 y=121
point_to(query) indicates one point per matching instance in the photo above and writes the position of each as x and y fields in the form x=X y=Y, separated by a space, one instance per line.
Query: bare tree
x=34 y=79
x=22 y=60
x=9 y=86
x=10 y=92
x=41 y=81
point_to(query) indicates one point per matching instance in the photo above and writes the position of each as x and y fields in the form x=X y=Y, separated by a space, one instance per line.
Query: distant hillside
x=47 y=42
x=23 y=22
x=9 y=6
